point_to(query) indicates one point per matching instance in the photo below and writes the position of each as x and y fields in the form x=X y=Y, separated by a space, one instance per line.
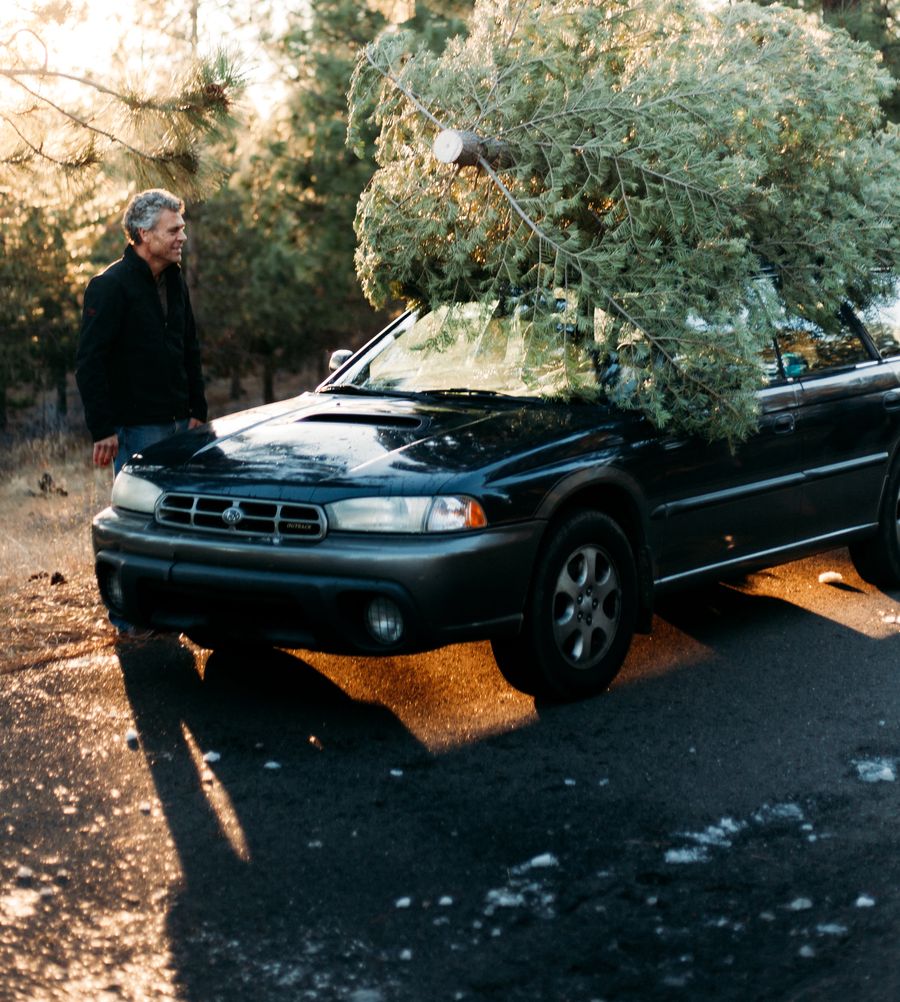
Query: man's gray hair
x=144 y=210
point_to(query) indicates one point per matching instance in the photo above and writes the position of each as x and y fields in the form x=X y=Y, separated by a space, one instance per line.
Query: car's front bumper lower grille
x=246 y=517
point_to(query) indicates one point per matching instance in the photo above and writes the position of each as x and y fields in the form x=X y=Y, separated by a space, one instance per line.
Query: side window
x=771 y=372
x=808 y=348
x=882 y=320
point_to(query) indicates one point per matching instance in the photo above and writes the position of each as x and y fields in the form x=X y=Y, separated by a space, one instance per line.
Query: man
x=138 y=361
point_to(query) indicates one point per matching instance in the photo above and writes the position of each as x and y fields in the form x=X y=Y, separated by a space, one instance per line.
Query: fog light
x=384 y=620
x=113 y=589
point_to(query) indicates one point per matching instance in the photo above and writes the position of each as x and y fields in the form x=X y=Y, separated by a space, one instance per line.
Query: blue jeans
x=136 y=437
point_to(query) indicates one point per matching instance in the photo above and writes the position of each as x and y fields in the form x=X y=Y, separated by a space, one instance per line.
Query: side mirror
x=338 y=358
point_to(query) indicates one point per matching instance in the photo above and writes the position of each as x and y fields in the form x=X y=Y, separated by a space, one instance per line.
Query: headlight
x=406 y=514
x=135 y=493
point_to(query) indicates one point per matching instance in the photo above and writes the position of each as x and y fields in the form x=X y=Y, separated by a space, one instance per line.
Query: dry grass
x=50 y=604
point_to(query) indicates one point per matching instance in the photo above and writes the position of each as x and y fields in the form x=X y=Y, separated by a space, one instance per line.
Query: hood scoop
x=377 y=420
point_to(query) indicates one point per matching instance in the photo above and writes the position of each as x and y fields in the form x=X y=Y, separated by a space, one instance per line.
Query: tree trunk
x=62 y=393
x=237 y=390
x=268 y=380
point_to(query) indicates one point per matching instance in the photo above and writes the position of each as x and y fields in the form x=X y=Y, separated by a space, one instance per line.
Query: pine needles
x=655 y=158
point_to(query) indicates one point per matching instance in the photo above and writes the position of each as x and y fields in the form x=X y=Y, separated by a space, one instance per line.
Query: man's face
x=164 y=242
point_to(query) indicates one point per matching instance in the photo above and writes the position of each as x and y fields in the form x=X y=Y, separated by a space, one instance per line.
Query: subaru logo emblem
x=232 y=515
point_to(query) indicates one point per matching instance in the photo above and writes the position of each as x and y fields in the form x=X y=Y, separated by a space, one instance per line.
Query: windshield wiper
x=462 y=391
x=347 y=388
x=363 y=391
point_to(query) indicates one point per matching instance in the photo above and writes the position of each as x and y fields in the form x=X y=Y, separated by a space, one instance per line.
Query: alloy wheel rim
x=587 y=606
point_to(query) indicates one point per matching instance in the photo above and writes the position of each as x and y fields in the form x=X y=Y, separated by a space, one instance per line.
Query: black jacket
x=135 y=364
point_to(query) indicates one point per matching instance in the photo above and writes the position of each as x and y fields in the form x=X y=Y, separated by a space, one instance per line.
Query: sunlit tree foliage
x=876 y=22
x=61 y=125
x=276 y=284
x=648 y=158
x=319 y=177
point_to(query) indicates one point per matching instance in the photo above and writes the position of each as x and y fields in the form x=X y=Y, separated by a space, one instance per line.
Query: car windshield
x=538 y=346
x=480 y=348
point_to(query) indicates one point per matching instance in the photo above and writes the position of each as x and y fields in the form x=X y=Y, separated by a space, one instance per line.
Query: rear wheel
x=877 y=559
x=580 y=614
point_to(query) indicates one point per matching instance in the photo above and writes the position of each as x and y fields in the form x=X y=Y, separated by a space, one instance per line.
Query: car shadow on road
x=326 y=852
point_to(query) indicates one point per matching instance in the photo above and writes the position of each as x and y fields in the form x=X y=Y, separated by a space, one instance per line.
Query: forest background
x=251 y=128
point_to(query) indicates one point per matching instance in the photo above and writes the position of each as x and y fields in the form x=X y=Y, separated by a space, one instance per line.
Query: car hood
x=335 y=440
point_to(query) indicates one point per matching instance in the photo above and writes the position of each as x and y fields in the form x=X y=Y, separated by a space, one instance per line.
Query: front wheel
x=580 y=614
x=877 y=559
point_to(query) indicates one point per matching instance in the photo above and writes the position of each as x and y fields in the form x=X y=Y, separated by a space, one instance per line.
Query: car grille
x=275 y=520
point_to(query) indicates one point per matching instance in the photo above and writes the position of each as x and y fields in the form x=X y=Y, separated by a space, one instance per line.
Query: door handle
x=891 y=400
x=783 y=424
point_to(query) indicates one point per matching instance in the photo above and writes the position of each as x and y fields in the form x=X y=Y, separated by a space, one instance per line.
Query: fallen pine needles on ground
x=50 y=605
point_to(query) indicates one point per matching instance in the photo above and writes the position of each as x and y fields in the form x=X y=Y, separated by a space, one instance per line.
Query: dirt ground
x=48 y=597
x=52 y=616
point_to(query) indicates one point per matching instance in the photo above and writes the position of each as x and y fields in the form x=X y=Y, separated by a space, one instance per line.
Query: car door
x=848 y=418
x=710 y=506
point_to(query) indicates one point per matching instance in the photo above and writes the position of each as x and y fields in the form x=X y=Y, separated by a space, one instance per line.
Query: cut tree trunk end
x=467 y=149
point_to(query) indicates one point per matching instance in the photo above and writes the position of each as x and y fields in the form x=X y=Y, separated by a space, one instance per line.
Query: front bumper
x=447 y=588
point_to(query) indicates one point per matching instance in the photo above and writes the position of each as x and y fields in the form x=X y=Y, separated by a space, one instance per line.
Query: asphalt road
x=721 y=825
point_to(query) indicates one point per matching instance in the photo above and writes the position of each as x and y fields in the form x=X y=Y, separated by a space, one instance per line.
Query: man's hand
x=105 y=450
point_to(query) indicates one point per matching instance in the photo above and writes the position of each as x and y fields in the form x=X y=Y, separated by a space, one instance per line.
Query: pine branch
x=408 y=94
x=653 y=157
x=50 y=127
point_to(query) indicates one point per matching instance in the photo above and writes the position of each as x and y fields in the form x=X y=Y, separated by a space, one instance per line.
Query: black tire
x=580 y=614
x=877 y=558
